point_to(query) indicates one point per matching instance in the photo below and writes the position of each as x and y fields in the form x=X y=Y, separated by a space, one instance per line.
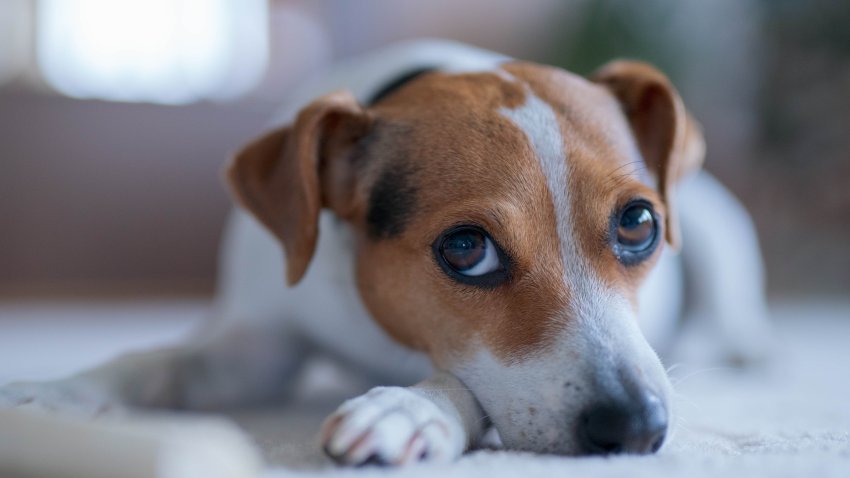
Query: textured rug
x=788 y=417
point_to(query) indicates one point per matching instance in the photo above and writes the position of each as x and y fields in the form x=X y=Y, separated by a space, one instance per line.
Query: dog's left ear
x=669 y=139
x=285 y=177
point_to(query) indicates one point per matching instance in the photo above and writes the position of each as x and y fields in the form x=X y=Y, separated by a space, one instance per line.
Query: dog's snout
x=634 y=426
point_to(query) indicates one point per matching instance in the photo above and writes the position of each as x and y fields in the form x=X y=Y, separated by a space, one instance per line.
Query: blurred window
x=159 y=51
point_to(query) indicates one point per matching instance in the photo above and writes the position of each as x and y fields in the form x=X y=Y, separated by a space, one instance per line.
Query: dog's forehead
x=589 y=117
x=465 y=108
x=459 y=131
x=445 y=130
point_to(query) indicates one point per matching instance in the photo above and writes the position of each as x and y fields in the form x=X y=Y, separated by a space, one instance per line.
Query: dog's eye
x=468 y=255
x=470 y=252
x=636 y=228
x=636 y=232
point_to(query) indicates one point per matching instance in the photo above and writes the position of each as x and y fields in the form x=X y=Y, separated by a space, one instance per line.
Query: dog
x=503 y=233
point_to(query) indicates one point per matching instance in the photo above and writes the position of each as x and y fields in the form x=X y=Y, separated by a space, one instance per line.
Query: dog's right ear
x=286 y=176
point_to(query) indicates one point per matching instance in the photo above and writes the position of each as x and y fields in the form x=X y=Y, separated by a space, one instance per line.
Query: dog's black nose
x=634 y=426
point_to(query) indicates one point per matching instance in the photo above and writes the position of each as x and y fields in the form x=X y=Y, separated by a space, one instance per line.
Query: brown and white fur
x=358 y=192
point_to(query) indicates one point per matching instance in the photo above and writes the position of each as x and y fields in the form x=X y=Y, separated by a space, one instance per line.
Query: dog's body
x=547 y=348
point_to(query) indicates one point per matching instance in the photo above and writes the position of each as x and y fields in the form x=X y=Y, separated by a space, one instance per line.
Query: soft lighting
x=160 y=51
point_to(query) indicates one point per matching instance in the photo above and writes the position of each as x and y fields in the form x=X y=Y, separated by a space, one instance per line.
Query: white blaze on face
x=540 y=124
x=535 y=401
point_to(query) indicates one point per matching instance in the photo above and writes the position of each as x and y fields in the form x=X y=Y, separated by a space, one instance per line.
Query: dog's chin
x=559 y=449
x=542 y=439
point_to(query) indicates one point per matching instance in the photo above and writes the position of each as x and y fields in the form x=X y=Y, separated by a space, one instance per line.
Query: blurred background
x=116 y=116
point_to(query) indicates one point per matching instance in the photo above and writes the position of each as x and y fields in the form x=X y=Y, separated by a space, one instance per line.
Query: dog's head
x=504 y=222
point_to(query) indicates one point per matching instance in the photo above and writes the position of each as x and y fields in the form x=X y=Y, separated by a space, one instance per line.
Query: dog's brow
x=496 y=216
x=633 y=170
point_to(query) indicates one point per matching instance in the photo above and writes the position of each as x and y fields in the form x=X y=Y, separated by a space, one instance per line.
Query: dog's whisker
x=678 y=427
x=678 y=381
x=684 y=400
x=637 y=164
x=452 y=389
x=674 y=367
x=617 y=177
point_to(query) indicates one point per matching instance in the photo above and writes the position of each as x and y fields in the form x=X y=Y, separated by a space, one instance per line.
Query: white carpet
x=789 y=418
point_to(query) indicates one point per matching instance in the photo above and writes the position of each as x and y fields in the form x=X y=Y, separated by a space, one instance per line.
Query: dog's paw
x=66 y=396
x=391 y=426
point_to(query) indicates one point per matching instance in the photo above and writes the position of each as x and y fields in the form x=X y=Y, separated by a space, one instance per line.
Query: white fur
x=724 y=263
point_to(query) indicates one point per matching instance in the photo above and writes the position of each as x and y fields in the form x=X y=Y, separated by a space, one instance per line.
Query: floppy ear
x=286 y=176
x=669 y=139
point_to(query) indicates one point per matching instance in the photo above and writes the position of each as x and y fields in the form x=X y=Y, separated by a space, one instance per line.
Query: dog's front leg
x=237 y=366
x=435 y=420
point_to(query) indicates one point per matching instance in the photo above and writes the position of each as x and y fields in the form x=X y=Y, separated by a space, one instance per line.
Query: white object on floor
x=167 y=446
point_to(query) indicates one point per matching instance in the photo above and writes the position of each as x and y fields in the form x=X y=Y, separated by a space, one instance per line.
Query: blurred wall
x=100 y=198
